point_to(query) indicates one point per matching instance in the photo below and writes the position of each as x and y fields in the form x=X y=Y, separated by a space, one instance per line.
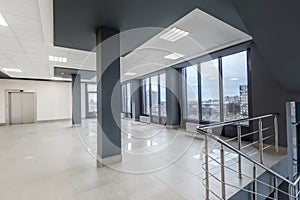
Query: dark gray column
x=135 y=99
x=173 y=108
x=76 y=99
x=109 y=96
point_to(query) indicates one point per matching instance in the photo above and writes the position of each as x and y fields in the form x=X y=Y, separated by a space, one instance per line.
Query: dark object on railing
x=230 y=131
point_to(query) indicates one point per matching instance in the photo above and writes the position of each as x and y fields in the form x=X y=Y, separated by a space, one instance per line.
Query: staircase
x=235 y=169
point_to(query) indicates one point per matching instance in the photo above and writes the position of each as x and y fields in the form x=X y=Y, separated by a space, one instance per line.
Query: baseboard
x=53 y=120
x=102 y=162
x=172 y=126
x=2 y=124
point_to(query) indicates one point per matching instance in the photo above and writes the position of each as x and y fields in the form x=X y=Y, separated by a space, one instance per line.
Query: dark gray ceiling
x=67 y=73
x=75 y=21
x=3 y=75
x=273 y=24
x=275 y=27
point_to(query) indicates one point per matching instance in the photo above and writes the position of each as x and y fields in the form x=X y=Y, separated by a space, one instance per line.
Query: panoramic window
x=128 y=97
x=210 y=93
x=154 y=96
x=124 y=98
x=163 y=98
x=146 y=96
x=192 y=103
x=235 y=83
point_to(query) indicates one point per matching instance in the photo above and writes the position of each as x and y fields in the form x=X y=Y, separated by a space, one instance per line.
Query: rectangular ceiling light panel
x=11 y=70
x=2 y=20
x=174 y=56
x=174 y=34
x=58 y=59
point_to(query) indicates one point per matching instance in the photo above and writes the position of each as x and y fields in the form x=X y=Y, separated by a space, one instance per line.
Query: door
x=27 y=108
x=15 y=108
x=21 y=107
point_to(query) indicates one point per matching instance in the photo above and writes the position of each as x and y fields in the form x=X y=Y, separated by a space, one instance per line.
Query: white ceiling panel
x=24 y=8
x=20 y=22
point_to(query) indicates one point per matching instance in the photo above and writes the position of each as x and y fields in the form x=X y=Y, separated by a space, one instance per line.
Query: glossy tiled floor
x=54 y=161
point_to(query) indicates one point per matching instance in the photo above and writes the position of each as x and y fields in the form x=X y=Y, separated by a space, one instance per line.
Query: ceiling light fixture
x=11 y=70
x=130 y=74
x=234 y=79
x=174 y=56
x=2 y=20
x=58 y=59
x=174 y=34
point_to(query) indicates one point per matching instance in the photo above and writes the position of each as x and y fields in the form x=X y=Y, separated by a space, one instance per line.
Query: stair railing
x=261 y=142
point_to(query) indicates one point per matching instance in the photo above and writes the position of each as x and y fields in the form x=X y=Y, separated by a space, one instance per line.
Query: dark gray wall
x=76 y=99
x=266 y=96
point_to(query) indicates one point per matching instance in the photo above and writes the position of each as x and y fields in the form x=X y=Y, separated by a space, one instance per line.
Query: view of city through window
x=210 y=92
x=192 y=106
x=235 y=86
x=163 y=95
x=235 y=89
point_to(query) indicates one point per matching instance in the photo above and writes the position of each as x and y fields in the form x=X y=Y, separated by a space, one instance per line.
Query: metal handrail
x=203 y=130
x=219 y=124
x=246 y=156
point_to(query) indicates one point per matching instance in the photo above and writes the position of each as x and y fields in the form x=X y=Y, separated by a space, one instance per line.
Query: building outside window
x=163 y=97
x=235 y=85
x=128 y=97
x=192 y=103
x=154 y=96
x=91 y=100
x=210 y=93
x=234 y=92
x=146 y=96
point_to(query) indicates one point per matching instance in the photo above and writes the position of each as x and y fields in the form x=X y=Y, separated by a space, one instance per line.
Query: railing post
x=275 y=188
x=223 y=173
x=291 y=195
x=254 y=183
x=276 y=133
x=261 y=142
x=206 y=168
x=239 y=145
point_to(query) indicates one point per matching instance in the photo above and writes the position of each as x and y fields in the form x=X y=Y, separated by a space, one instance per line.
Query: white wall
x=54 y=99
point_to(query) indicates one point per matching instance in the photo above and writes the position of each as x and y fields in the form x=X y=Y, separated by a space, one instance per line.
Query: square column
x=173 y=106
x=109 y=97
x=76 y=100
x=135 y=99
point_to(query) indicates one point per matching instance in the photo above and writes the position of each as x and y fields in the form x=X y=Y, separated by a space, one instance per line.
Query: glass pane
x=92 y=102
x=154 y=95
x=123 y=98
x=146 y=97
x=192 y=111
x=210 y=91
x=91 y=87
x=235 y=86
x=128 y=95
x=163 y=97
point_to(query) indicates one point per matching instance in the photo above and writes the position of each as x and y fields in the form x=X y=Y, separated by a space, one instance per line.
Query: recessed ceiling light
x=58 y=59
x=2 y=20
x=130 y=74
x=62 y=73
x=11 y=70
x=174 y=34
x=174 y=56
x=234 y=79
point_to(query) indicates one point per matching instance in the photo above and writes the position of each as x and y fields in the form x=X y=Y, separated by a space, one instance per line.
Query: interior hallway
x=53 y=161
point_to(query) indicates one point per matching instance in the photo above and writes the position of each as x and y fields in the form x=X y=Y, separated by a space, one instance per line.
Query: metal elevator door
x=21 y=107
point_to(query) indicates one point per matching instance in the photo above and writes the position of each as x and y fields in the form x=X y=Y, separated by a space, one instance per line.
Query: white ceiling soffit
x=27 y=42
x=207 y=34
